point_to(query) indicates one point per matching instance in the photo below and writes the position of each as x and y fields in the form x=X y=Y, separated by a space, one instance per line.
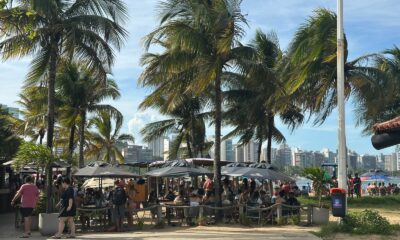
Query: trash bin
x=339 y=203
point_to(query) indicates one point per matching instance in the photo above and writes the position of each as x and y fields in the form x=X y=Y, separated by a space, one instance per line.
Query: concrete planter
x=320 y=216
x=48 y=223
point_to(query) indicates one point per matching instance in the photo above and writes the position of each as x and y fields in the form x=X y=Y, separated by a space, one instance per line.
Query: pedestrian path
x=7 y=231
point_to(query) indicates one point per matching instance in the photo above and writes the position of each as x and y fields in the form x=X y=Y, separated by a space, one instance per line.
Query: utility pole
x=342 y=154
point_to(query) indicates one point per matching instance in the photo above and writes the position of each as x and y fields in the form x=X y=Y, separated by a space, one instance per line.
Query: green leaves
x=29 y=153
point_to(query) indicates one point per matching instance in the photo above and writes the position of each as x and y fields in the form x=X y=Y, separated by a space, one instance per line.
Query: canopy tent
x=102 y=169
x=374 y=175
x=179 y=168
x=231 y=168
x=261 y=171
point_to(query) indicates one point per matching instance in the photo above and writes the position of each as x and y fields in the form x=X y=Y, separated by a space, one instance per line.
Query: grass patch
x=387 y=202
x=366 y=222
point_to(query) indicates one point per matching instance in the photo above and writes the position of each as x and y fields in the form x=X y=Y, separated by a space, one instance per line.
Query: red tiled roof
x=388 y=125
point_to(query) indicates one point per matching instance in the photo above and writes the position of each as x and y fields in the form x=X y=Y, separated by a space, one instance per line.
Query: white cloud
x=139 y=120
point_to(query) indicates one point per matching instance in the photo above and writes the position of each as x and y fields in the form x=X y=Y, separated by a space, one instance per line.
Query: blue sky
x=371 y=26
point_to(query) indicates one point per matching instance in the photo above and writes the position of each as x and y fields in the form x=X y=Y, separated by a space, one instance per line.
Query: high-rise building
x=352 y=158
x=264 y=156
x=227 y=150
x=239 y=153
x=319 y=158
x=368 y=162
x=158 y=146
x=137 y=153
x=390 y=162
x=11 y=110
x=283 y=156
x=328 y=155
x=250 y=151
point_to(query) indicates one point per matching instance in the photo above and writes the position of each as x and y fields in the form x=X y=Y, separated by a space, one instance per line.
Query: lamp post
x=342 y=155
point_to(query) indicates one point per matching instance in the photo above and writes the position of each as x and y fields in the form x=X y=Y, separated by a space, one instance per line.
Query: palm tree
x=33 y=102
x=203 y=37
x=311 y=66
x=81 y=94
x=187 y=118
x=9 y=140
x=257 y=96
x=50 y=29
x=380 y=102
x=103 y=142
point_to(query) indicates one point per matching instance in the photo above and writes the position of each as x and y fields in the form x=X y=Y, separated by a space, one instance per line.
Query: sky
x=371 y=26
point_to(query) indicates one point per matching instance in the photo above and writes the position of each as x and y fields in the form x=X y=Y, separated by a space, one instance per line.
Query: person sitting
x=254 y=199
x=281 y=197
x=292 y=201
x=170 y=196
x=179 y=200
x=265 y=198
x=244 y=197
x=209 y=198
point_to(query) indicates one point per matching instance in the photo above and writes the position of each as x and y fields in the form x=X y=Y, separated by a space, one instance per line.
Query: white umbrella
x=95 y=183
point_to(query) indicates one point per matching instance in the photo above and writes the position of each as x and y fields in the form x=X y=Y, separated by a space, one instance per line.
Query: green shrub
x=40 y=205
x=362 y=223
x=140 y=224
x=294 y=220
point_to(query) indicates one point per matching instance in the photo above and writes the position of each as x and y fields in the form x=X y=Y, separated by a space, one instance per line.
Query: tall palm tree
x=33 y=101
x=50 y=29
x=380 y=102
x=311 y=66
x=103 y=142
x=81 y=94
x=204 y=39
x=258 y=96
x=187 y=118
x=9 y=139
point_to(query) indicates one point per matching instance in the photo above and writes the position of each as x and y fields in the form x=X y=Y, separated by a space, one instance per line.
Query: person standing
x=67 y=210
x=357 y=185
x=29 y=195
x=118 y=198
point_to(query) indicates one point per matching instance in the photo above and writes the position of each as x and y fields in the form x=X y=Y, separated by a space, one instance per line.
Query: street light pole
x=342 y=154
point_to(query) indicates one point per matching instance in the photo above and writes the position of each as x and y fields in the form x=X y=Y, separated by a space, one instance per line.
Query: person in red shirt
x=29 y=195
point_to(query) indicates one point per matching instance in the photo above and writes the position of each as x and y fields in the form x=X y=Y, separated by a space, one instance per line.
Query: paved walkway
x=7 y=231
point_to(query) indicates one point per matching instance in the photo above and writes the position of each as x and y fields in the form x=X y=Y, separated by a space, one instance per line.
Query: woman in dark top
x=67 y=210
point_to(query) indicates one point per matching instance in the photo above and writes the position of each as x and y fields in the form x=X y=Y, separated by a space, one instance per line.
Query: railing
x=205 y=214
x=275 y=214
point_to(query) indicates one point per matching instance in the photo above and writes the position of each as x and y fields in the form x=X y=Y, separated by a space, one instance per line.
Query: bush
x=40 y=205
x=362 y=223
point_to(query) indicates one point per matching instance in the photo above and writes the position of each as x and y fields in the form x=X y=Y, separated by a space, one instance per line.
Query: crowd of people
x=380 y=189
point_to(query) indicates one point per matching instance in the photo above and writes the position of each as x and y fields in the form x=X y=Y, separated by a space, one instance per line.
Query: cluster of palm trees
x=205 y=73
x=202 y=75
x=72 y=45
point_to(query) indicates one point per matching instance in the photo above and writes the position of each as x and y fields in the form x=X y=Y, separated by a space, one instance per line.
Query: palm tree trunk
x=82 y=138
x=190 y=153
x=269 y=146
x=217 y=144
x=51 y=114
x=71 y=147
x=259 y=149
x=41 y=136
